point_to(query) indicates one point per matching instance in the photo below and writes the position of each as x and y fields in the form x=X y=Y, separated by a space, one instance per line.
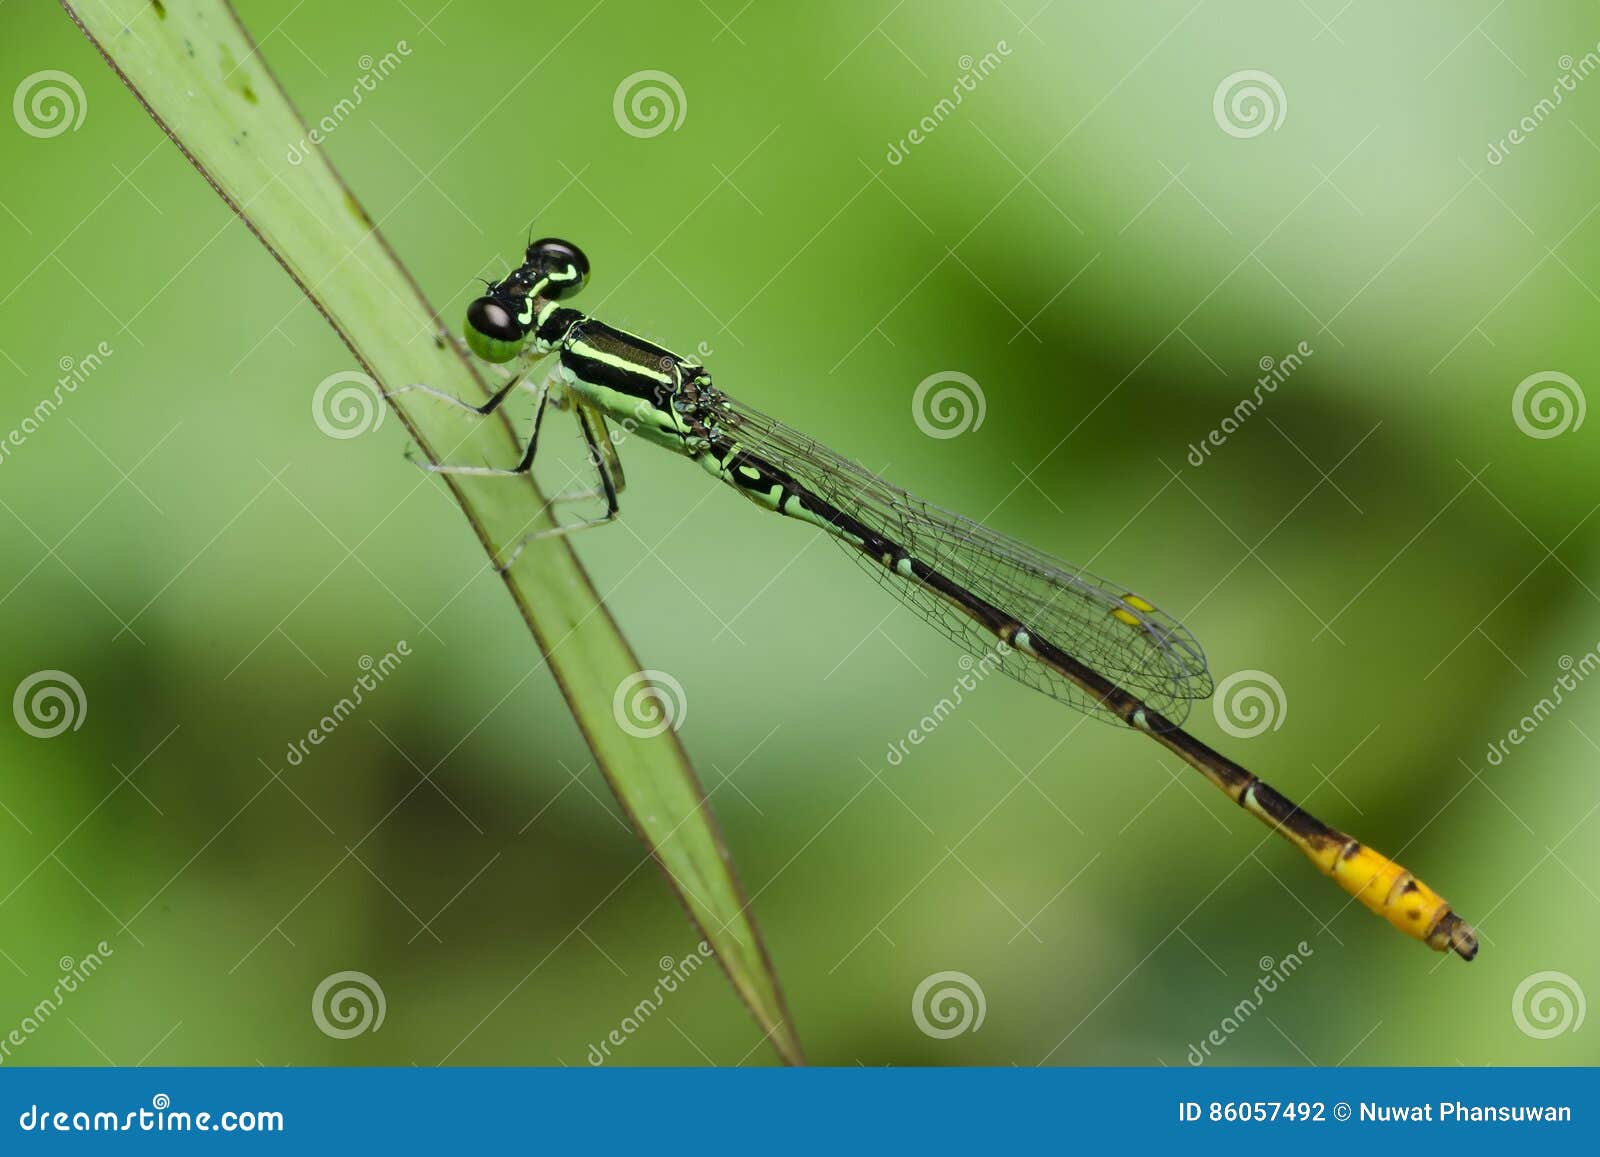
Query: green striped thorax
x=500 y=322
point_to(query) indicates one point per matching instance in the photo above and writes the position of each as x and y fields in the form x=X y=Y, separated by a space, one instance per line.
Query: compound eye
x=562 y=262
x=492 y=330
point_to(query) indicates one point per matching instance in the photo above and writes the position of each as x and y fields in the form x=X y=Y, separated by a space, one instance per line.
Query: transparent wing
x=1124 y=638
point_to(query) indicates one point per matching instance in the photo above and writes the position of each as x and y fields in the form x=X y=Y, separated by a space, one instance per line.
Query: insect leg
x=512 y=381
x=608 y=468
x=526 y=463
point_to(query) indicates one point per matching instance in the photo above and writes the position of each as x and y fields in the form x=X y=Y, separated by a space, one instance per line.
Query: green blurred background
x=1083 y=239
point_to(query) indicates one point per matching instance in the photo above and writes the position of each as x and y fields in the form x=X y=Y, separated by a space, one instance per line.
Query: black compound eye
x=562 y=262
x=493 y=319
x=493 y=331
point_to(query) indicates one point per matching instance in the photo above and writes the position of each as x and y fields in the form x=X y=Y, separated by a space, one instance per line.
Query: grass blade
x=198 y=73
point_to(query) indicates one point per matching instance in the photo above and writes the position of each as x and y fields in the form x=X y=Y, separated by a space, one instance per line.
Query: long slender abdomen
x=1379 y=883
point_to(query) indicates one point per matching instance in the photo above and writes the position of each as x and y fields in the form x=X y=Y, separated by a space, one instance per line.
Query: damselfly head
x=561 y=262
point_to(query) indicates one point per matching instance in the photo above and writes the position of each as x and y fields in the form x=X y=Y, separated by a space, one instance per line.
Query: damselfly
x=1077 y=638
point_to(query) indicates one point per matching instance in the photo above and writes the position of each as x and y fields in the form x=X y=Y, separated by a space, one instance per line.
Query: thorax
x=638 y=384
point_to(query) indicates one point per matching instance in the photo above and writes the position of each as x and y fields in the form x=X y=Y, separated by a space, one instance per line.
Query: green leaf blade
x=199 y=75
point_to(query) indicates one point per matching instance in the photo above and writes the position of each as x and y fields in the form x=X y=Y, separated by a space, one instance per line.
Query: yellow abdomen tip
x=1400 y=898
